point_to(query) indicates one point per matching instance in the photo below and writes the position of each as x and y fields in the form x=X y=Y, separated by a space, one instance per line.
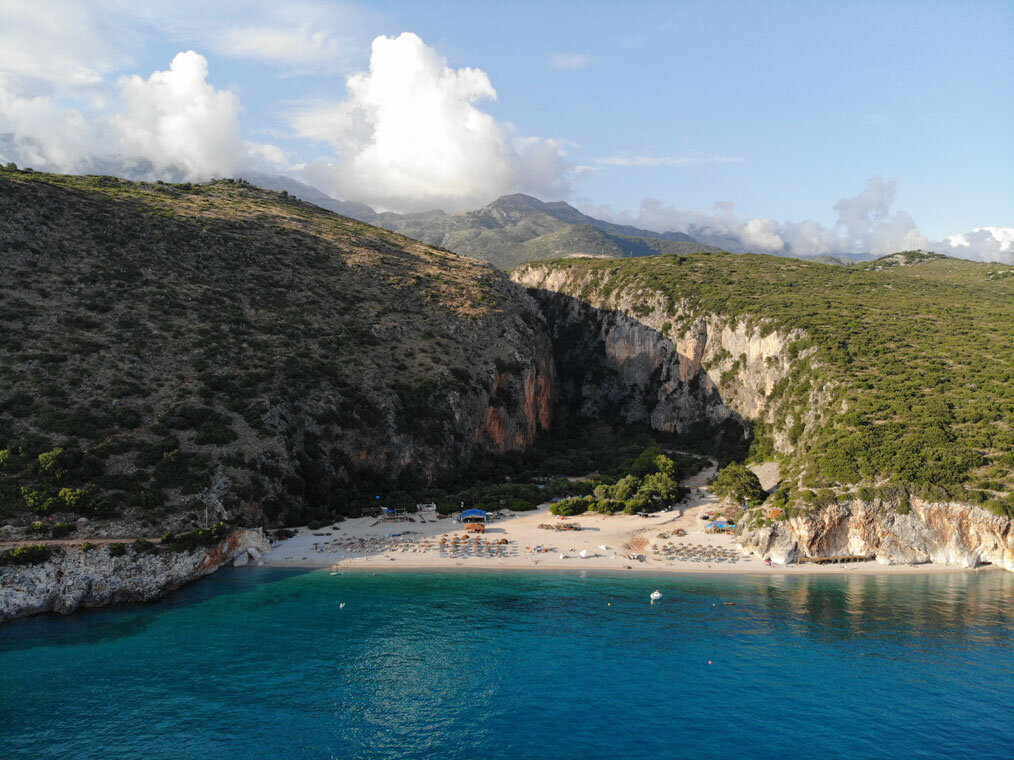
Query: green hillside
x=915 y=351
x=166 y=348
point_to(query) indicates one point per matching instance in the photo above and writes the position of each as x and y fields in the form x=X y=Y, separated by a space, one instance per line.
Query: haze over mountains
x=515 y=229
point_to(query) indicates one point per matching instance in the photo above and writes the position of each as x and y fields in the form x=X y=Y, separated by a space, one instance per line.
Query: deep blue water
x=261 y=663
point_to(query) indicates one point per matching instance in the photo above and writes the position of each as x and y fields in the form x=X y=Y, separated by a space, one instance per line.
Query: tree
x=660 y=487
x=626 y=487
x=737 y=483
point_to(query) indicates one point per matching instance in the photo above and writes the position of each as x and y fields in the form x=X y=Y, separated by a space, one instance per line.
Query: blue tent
x=720 y=524
x=473 y=514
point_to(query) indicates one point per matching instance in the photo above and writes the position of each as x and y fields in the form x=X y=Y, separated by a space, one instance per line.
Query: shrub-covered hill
x=166 y=348
x=897 y=372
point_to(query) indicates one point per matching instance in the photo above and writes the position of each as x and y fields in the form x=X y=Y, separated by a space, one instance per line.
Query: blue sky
x=781 y=109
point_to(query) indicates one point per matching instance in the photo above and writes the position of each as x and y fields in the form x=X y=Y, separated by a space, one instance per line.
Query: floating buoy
x=709 y=662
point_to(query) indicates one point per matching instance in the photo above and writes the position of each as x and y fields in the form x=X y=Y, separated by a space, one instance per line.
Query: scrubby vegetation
x=648 y=483
x=910 y=360
x=739 y=485
x=26 y=554
x=165 y=347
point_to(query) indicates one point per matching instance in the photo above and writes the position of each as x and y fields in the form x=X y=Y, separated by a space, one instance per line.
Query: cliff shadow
x=612 y=367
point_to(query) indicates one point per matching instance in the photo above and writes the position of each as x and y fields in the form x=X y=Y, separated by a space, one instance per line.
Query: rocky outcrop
x=942 y=533
x=618 y=354
x=76 y=578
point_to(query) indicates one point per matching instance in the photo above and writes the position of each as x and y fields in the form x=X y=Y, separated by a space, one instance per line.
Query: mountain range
x=512 y=230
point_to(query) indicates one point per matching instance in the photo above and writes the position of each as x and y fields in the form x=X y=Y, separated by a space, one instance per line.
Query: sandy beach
x=520 y=541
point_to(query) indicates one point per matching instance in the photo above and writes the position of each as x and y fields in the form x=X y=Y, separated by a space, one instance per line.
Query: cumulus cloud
x=865 y=223
x=176 y=118
x=409 y=136
x=172 y=125
x=570 y=61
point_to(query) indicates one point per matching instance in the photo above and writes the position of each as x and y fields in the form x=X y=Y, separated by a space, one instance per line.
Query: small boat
x=603 y=547
x=341 y=605
x=655 y=595
x=335 y=569
x=583 y=553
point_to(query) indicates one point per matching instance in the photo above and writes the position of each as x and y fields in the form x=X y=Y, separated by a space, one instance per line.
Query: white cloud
x=177 y=120
x=570 y=61
x=982 y=243
x=625 y=159
x=866 y=223
x=56 y=47
x=409 y=136
x=172 y=125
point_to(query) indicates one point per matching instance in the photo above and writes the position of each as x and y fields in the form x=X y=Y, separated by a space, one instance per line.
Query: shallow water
x=262 y=663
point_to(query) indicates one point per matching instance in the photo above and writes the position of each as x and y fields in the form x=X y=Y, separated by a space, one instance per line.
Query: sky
x=782 y=127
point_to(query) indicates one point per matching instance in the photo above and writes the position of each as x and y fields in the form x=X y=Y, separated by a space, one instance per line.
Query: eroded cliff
x=942 y=533
x=619 y=354
x=76 y=578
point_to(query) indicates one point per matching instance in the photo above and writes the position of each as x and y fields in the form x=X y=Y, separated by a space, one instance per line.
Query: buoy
x=709 y=662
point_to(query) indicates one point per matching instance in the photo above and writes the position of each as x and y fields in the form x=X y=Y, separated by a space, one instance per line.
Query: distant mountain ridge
x=511 y=230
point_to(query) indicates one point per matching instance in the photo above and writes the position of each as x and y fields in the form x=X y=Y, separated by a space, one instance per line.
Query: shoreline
x=674 y=542
x=867 y=568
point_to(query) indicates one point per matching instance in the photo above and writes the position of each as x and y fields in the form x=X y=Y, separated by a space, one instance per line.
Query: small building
x=474 y=516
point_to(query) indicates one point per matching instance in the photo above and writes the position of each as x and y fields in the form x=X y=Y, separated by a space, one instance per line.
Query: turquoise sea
x=262 y=663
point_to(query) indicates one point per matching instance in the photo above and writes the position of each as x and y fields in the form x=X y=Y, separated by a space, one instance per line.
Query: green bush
x=62 y=530
x=197 y=539
x=636 y=503
x=738 y=484
x=40 y=502
x=143 y=546
x=569 y=507
x=116 y=549
x=520 y=505
x=27 y=554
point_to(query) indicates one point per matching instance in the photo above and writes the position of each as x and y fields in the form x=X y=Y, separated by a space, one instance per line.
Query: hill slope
x=166 y=348
x=513 y=229
x=509 y=231
x=896 y=372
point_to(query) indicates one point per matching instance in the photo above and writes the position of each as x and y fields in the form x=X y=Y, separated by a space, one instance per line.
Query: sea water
x=264 y=663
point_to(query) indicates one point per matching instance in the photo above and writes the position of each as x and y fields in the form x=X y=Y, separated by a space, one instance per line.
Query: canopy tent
x=474 y=515
x=720 y=524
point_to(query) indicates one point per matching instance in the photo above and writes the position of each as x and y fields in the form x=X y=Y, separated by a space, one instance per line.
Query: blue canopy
x=720 y=524
x=473 y=513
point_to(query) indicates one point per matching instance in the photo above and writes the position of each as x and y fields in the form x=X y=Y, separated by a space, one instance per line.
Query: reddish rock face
x=515 y=427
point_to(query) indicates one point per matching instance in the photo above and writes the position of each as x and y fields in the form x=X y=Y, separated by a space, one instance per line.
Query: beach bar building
x=474 y=516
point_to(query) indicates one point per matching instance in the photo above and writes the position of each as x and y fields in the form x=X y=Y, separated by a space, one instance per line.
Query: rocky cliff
x=76 y=578
x=654 y=342
x=618 y=353
x=942 y=533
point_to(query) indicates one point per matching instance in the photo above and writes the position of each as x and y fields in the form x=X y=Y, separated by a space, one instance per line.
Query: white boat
x=583 y=553
x=603 y=547
x=655 y=595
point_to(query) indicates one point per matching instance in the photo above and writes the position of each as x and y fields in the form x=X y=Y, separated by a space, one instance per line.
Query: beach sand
x=363 y=543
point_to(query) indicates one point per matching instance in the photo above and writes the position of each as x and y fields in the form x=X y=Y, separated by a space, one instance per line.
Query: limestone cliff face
x=942 y=533
x=75 y=578
x=619 y=354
